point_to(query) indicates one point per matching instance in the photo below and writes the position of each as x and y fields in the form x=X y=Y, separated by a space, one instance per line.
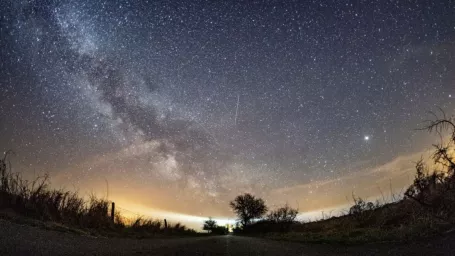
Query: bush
x=282 y=218
x=211 y=226
x=362 y=211
x=285 y=214
x=219 y=230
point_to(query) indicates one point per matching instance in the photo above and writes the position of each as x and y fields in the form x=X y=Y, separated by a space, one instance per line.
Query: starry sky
x=179 y=106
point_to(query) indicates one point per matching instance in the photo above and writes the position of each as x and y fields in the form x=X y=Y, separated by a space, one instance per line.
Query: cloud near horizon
x=380 y=182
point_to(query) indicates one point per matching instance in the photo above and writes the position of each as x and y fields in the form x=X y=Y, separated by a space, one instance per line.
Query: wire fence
x=129 y=217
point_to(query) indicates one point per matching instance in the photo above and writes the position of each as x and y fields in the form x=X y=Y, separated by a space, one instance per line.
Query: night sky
x=181 y=105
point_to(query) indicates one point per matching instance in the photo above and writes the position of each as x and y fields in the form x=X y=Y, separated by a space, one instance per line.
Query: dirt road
x=16 y=239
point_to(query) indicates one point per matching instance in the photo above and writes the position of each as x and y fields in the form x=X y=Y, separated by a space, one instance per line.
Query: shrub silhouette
x=362 y=211
x=211 y=226
x=284 y=214
x=220 y=230
x=282 y=217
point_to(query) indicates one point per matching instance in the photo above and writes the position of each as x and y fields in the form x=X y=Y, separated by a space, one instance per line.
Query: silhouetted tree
x=435 y=190
x=247 y=207
x=209 y=225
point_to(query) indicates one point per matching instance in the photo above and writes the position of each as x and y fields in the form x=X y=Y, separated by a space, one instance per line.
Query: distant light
x=450 y=95
x=366 y=138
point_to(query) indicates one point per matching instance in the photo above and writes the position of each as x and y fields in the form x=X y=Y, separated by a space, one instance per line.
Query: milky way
x=195 y=101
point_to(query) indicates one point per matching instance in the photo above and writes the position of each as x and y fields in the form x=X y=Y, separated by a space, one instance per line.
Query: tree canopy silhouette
x=209 y=225
x=247 y=207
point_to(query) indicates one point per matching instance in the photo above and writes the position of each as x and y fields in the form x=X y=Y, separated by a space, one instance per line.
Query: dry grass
x=400 y=221
x=36 y=200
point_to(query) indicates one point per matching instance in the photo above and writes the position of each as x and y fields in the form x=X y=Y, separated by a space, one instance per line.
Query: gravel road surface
x=17 y=239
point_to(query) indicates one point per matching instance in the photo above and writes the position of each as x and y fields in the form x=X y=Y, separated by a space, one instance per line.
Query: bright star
x=366 y=138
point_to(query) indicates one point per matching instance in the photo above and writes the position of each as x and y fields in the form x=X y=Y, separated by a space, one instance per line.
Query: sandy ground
x=17 y=239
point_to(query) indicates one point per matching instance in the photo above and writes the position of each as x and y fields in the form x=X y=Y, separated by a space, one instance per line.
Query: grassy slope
x=401 y=221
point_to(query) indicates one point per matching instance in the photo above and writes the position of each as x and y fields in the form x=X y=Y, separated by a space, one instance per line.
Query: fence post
x=165 y=223
x=112 y=212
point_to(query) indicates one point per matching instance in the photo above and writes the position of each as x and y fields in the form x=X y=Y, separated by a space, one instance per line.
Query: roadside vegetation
x=213 y=228
x=426 y=209
x=67 y=211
